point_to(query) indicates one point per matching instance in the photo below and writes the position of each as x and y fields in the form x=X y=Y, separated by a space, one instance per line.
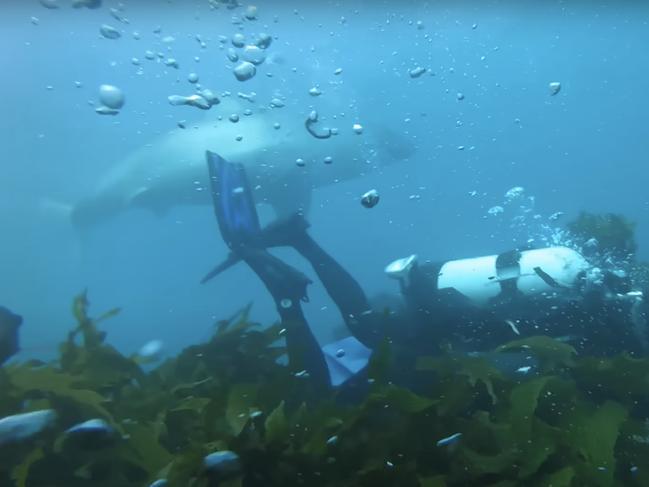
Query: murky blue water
x=583 y=148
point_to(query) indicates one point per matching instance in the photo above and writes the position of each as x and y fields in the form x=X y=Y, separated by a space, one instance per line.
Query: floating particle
x=554 y=87
x=136 y=35
x=160 y=483
x=474 y=26
x=239 y=138
x=302 y=374
x=86 y=3
x=523 y=370
x=238 y=40
x=338 y=71
x=106 y=111
x=251 y=12
x=171 y=62
x=340 y=353
x=315 y=91
x=234 y=118
x=332 y=440
x=358 y=128
x=460 y=147
x=232 y=55
x=449 y=440
x=117 y=15
x=513 y=326
x=328 y=160
x=300 y=162
x=417 y=72
x=135 y=61
x=253 y=54
x=495 y=210
x=182 y=124
x=109 y=32
x=49 y=3
x=370 y=199
x=78 y=84
x=420 y=24
x=150 y=55
x=192 y=78
x=276 y=103
x=111 y=96
x=515 y=192
x=263 y=40
x=34 y=20
x=276 y=126
x=286 y=303
x=247 y=112
x=168 y=39
x=460 y=96
x=24 y=426
x=556 y=215
x=192 y=100
x=210 y=96
x=244 y=71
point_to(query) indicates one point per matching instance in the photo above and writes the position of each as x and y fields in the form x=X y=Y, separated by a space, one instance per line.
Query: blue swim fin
x=233 y=203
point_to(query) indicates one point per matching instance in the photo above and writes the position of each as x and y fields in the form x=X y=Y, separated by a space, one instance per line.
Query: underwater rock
x=94 y=434
x=370 y=199
x=111 y=96
x=20 y=427
x=222 y=464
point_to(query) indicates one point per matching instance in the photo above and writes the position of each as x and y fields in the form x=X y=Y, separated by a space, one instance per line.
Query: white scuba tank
x=551 y=271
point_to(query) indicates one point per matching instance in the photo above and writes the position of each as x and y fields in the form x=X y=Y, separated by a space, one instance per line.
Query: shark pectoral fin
x=143 y=197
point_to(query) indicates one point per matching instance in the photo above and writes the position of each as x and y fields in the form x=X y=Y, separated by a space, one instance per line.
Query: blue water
x=582 y=149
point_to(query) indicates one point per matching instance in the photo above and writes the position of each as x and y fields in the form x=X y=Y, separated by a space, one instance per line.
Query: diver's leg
x=343 y=289
x=288 y=288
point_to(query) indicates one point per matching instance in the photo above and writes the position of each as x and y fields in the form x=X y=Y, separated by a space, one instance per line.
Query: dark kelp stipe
x=573 y=421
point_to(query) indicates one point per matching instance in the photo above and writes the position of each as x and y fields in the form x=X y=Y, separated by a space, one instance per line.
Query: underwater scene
x=339 y=243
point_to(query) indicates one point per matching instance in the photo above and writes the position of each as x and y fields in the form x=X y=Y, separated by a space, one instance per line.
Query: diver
x=467 y=305
x=9 y=324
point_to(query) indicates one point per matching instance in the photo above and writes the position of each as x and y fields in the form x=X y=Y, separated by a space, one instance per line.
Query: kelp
x=614 y=233
x=573 y=421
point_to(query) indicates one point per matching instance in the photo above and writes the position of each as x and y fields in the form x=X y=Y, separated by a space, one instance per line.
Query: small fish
x=449 y=440
x=26 y=425
x=524 y=370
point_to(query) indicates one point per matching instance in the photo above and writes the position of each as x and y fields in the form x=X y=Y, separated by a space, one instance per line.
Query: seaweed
x=578 y=420
x=614 y=233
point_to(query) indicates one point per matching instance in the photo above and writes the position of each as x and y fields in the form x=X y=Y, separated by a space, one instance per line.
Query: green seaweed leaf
x=550 y=352
x=276 y=426
x=20 y=473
